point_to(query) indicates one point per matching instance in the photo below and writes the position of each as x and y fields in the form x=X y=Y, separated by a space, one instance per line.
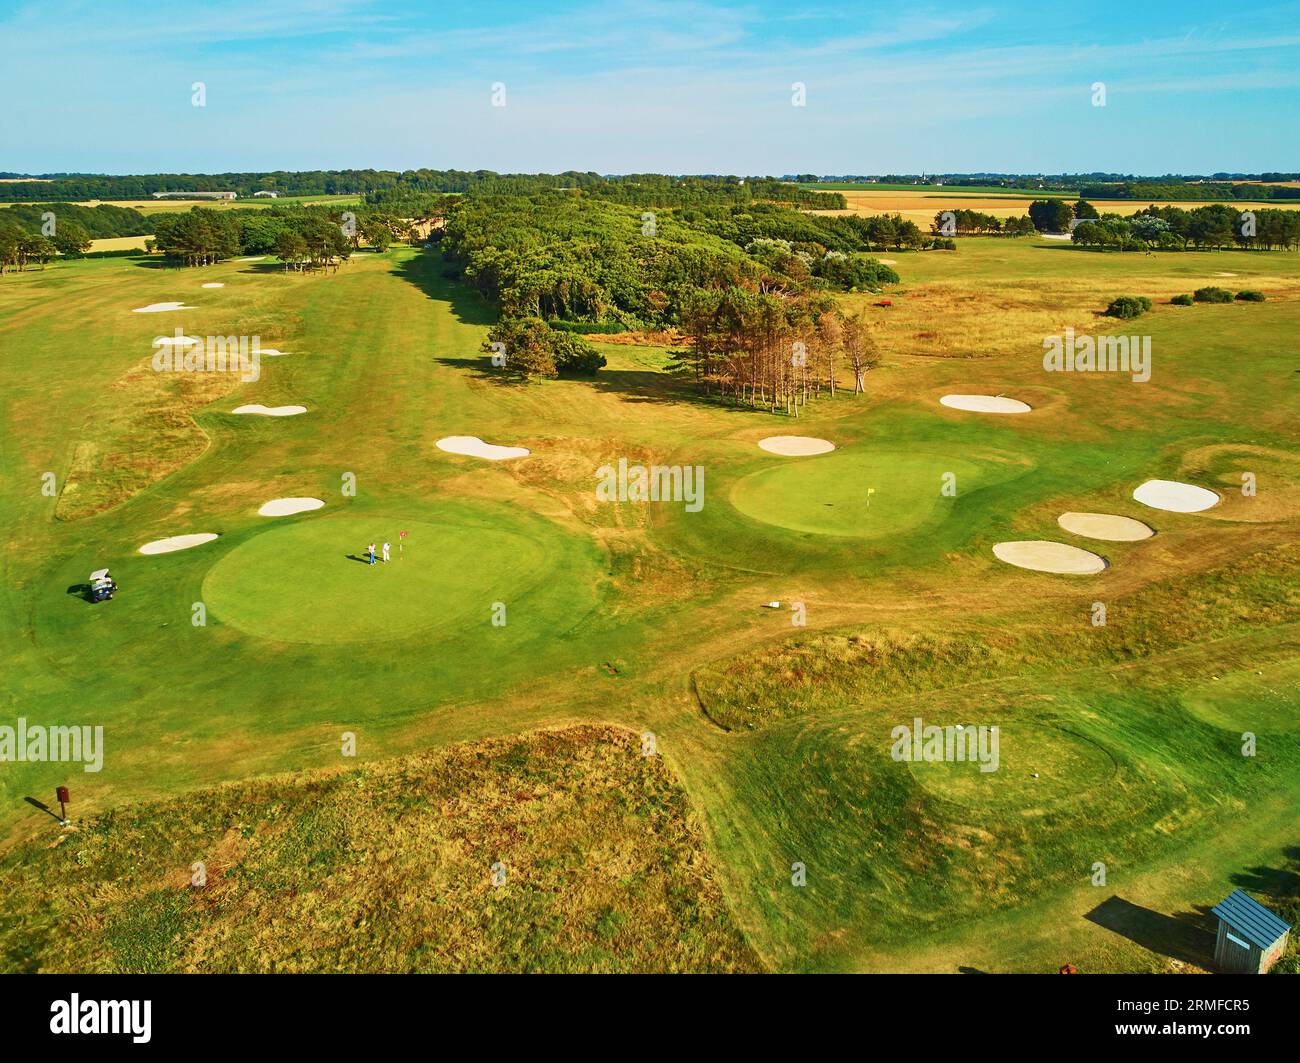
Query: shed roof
x=1250 y=919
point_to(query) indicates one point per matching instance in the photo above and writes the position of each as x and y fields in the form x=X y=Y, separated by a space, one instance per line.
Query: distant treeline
x=142 y=186
x=1151 y=191
x=1093 y=185
x=637 y=189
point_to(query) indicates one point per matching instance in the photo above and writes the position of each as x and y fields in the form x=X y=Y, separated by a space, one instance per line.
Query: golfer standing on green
x=372 y=553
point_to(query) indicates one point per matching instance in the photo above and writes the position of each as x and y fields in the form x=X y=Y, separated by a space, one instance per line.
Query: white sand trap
x=1225 y=274
x=176 y=341
x=1057 y=236
x=286 y=507
x=271 y=352
x=985 y=404
x=160 y=308
x=177 y=542
x=251 y=258
x=212 y=284
x=888 y=261
x=1175 y=497
x=1108 y=526
x=473 y=447
x=1043 y=556
x=270 y=411
x=796 y=446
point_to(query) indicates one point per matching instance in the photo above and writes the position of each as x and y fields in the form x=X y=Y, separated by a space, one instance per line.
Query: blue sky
x=683 y=86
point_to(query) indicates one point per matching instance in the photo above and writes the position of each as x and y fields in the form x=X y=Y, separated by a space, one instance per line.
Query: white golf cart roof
x=99 y=574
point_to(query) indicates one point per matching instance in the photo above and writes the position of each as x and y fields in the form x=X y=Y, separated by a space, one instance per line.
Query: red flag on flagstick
x=401 y=545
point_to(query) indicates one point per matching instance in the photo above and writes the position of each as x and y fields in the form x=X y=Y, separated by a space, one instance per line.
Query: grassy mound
x=389 y=867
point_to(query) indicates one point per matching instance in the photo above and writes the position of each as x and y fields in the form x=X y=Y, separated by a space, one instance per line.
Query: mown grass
x=804 y=672
x=389 y=867
x=1135 y=764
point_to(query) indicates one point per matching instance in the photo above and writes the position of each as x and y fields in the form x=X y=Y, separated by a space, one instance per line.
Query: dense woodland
x=751 y=286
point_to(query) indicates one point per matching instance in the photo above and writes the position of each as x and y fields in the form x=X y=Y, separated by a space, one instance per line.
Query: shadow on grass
x=425 y=272
x=1282 y=883
x=1186 y=937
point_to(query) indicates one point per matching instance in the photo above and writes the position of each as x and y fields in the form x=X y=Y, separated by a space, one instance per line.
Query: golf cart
x=102 y=585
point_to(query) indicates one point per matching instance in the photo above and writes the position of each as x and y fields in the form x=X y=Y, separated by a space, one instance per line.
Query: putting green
x=1066 y=764
x=309 y=581
x=829 y=495
x=1261 y=700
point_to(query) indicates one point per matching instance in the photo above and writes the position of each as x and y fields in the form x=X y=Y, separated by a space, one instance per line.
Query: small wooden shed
x=1251 y=938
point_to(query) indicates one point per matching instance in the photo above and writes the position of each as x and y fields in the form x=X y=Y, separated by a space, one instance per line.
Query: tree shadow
x=425 y=272
x=1281 y=882
x=1188 y=936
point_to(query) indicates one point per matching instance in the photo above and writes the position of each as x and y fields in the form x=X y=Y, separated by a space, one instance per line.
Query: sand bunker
x=212 y=284
x=888 y=261
x=270 y=352
x=1108 y=526
x=1043 y=556
x=251 y=258
x=473 y=447
x=177 y=542
x=176 y=341
x=1057 y=236
x=160 y=308
x=796 y=446
x=985 y=404
x=1175 y=497
x=270 y=411
x=1225 y=274
x=286 y=507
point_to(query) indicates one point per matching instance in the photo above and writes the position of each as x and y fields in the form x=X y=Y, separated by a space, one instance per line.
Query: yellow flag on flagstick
x=870 y=491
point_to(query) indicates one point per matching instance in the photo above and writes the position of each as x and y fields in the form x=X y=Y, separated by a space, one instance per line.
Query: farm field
x=1121 y=742
x=921 y=206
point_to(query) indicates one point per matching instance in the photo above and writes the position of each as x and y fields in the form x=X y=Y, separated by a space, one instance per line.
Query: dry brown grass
x=390 y=867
